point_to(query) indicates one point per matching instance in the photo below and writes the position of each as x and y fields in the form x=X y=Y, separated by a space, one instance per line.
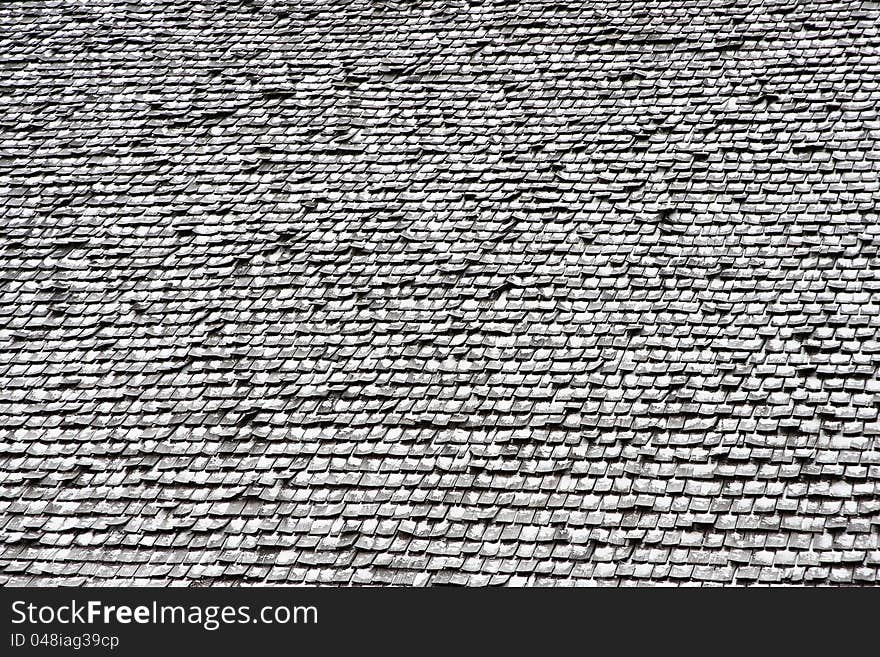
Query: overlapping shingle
x=440 y=292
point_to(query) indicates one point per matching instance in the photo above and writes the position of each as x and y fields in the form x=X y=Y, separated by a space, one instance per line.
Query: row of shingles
x=311 y=481
x=579 y=494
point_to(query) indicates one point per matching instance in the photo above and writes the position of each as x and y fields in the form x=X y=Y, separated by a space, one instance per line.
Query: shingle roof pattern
x=439 y=292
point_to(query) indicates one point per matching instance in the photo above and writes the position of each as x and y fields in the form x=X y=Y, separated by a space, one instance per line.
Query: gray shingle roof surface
x=439 y=292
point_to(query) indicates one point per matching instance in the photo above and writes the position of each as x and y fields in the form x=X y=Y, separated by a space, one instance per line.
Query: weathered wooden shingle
x=478 y=292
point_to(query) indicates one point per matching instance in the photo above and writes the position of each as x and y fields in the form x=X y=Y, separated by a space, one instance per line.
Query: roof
x=491 y=292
